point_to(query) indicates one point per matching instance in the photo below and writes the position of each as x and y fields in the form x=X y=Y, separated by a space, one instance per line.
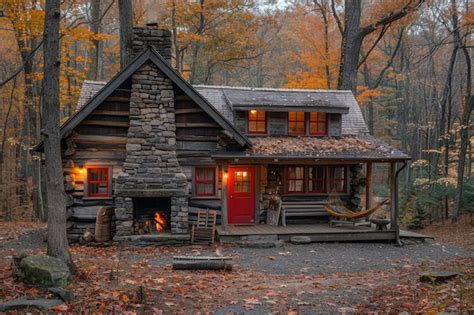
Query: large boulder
x=43 y=270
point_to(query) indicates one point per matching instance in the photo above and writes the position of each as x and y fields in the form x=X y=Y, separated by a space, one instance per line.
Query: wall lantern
x=253 y=111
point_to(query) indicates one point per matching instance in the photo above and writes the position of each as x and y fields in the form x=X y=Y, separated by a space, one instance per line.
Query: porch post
x=224 y=197
x=368 y=186
x=393 y=197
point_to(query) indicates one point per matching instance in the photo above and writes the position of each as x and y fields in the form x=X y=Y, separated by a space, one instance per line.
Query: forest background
x=411 y=75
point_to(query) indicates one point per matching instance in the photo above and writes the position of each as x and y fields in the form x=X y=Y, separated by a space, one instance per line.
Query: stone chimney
x=151 y=168
x=151 y=35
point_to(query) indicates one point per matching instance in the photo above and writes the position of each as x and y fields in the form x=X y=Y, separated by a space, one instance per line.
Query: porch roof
x=347 y=148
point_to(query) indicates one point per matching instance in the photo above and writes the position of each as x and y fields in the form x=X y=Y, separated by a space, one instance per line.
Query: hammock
x=339 y=211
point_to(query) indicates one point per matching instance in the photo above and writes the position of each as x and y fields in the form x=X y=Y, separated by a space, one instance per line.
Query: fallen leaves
x=310 y=145
x=125 y=279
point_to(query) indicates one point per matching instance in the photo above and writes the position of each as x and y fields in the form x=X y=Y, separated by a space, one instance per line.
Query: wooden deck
x=317 y=233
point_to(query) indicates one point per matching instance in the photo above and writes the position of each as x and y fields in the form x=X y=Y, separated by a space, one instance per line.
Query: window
x=295 y=179
x=317 y=179
x=318 y=124
x=296 y=123
x=257 y=122
x=338 y=179
x=241 y=182
x=98 y=182
x=204 y=181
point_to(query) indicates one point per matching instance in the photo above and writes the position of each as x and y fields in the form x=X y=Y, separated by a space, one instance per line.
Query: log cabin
x=150 y=145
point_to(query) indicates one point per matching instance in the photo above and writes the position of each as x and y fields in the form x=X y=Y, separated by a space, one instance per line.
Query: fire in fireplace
x=151 y=215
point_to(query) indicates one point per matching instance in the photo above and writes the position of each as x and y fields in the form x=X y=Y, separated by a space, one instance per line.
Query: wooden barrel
x=103 y=224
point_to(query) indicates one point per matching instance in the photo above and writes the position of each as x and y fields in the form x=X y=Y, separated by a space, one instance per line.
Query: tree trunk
x=175 y=38
x=196 y=47
x=57 y=239
x=126 y=31
x=351 y=44
x=94 y=49
x=465 y=119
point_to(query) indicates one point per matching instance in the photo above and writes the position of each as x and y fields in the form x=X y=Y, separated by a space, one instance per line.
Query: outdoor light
x=253 y=112
x=81 y=170
x=225 y=174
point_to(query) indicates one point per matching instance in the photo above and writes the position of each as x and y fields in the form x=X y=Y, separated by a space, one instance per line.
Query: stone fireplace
x=151 y=215
x=151 y=172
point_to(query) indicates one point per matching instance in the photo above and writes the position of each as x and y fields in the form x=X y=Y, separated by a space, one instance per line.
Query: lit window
x=242 y=181
x=318 y=124
x=338 y=179
x=205 y=181
x=296 y=123
x=295 y=179
x=317 y=179
x=257 y=122
x=98 y=182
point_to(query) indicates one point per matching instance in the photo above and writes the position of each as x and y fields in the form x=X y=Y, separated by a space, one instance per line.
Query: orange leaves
x=315 y=50
x=365 y=94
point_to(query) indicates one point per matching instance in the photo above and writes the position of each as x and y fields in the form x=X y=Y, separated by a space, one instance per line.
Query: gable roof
x=152 y=55
x=353 y=122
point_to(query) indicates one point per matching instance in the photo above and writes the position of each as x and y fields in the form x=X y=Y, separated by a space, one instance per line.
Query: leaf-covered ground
x=140 y=279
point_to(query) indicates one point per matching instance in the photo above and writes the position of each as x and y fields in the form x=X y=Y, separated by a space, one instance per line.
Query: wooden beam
x=368 y=186
x=188 y=111
x=100 y=139
x=393 y=196
x=196 y=138
x=182 y=98
x=224 y=217
x=197 y=125
x=118 y=99
x=107 y=123
x=110 y=113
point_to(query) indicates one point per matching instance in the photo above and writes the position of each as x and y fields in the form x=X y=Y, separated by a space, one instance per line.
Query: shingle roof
x=347 y=148
x=88 y=90
x=287 y=99
x=352 y=123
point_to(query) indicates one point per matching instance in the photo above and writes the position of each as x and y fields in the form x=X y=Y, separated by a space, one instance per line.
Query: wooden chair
x=204 y=230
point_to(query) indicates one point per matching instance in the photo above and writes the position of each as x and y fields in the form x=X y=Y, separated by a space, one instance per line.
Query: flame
x=160 y=222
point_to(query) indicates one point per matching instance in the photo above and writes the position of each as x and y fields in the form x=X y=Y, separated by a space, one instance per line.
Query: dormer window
x=296 y=123
x=318 y=124
x=257 y=122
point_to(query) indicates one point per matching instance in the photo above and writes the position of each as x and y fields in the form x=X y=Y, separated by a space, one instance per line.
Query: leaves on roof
x=310 y=145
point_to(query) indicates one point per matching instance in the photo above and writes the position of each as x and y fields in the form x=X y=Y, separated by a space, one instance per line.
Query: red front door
x=241 y=195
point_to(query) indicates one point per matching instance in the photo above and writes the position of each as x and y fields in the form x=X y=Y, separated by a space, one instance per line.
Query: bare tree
x=56 y=198
x=353 y=35
x=465 y=118
x=126 y=31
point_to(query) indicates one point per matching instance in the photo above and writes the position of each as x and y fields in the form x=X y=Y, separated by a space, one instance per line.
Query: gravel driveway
x=335 y=257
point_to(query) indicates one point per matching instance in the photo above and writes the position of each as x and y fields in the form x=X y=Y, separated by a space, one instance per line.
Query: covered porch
x=320 y=173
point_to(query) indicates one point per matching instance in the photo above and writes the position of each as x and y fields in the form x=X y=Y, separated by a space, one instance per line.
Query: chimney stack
x=151 y=35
